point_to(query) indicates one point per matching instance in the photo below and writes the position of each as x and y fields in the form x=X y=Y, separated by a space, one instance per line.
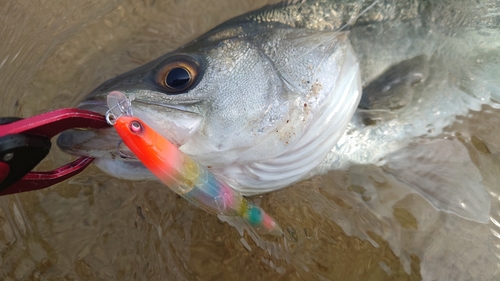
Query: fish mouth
x=112 y=155
x=97 y=143
x=174 y=121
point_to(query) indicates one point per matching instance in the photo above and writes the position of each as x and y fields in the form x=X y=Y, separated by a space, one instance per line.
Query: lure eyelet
x=111 y=118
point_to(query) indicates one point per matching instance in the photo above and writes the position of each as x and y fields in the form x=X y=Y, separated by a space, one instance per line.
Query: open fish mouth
x=112 y=155
x=89 y=142
x=106 y=146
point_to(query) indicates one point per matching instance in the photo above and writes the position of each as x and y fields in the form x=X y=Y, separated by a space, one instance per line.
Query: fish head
x=261 y=104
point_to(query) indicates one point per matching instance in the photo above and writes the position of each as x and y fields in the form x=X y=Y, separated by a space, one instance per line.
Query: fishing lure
x=180 y=172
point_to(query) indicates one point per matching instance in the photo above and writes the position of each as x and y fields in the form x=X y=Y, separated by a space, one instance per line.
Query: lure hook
x=123 y=155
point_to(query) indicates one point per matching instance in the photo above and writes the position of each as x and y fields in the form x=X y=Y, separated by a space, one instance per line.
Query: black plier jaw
x=24 y=143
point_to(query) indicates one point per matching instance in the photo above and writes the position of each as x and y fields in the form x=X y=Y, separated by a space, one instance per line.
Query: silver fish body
x=275 y=96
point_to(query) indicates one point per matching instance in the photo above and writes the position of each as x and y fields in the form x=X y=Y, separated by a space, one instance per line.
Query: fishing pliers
x=24 y=143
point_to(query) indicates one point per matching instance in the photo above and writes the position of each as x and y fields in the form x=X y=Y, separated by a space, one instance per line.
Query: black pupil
x=178 y=78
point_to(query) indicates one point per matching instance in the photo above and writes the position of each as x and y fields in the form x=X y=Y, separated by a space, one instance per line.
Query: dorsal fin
x=323 y=15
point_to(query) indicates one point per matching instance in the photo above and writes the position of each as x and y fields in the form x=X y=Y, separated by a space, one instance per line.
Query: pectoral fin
x=442 y=172
x=394 y=88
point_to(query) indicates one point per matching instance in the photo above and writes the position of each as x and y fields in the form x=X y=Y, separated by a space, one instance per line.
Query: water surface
x=95 y=227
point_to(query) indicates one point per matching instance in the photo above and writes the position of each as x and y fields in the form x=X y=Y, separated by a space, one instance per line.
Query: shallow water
x=95 y=227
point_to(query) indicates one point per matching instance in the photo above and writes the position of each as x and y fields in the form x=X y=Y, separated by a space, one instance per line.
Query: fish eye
x=135 y=127
x=178 y=74
x=178 y=78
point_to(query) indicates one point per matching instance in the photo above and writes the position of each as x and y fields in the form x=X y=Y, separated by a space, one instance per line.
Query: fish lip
x=101 y=106
x=180 y=107
x=127 y=170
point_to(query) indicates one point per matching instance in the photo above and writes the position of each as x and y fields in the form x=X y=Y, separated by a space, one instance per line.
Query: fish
x=180 y=173
x=297 y=89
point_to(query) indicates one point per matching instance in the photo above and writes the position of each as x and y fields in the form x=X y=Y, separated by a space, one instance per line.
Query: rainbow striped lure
x=180 y=172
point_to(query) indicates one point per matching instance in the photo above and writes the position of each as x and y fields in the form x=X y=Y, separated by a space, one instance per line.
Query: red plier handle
x=25 y=142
